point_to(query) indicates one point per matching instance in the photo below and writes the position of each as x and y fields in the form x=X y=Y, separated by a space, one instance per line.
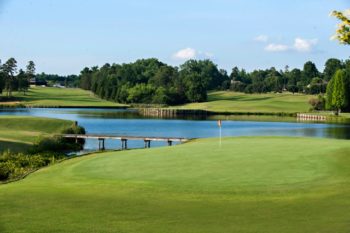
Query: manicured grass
x=224 y=101
x=27 y=130
x=250 y=184
x=61 y=97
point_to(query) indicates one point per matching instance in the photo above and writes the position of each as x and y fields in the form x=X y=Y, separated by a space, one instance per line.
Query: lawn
x=249 y=184
x=224 y=101
x=61 y=97
x=18 y=131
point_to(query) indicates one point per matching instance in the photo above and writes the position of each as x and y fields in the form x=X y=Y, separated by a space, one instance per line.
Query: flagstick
x=220 y=136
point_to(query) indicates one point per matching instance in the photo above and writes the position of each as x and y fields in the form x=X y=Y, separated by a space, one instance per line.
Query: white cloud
x=185 y=54
x=300 y=45
x=261 y=38
x=304 y=45
x=190 y=53
x=276 y=48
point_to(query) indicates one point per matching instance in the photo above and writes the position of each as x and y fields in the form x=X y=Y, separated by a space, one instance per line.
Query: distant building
x=36 y=82
x=58 y=85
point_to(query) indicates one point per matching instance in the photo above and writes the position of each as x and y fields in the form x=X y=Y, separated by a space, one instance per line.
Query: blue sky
x=63 y=36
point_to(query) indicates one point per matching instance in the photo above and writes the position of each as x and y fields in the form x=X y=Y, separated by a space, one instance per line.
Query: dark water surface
x=129 y=122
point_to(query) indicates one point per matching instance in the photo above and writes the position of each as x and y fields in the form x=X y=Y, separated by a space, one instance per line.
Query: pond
x=130 y=123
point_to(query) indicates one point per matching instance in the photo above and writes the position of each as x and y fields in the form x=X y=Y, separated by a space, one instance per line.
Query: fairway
x=61 y=97
x=250 y=184
x=18 y=131
x=225 y=101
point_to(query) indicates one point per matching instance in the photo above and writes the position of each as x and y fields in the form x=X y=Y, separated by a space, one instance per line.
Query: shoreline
x=22 y=106
x=172 y=112
x=177 y=111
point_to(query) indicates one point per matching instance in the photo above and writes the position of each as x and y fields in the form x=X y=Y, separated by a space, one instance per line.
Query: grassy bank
x=252 y=184
x=224 y=101
x=218 y=102
x=58 y=97
x=17 y=132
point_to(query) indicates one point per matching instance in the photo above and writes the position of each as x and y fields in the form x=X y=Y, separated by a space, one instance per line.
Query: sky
x=64 y=36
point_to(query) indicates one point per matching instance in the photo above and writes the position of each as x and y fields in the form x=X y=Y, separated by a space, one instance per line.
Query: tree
x=30 y=69
x=164 y=77
x=317 y=86
x=331 y=67
x=274 y=81
x=337 y=91
x=9 y=69
x=343 y=31
x=211 y=76
x=195 y=86
x=309 y=72
x=2 y=79
x=22 y=80
x=141 y=93
x=294 y=77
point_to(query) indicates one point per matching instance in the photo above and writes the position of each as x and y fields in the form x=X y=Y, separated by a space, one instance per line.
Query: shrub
x=5 y=170
x=318 y=104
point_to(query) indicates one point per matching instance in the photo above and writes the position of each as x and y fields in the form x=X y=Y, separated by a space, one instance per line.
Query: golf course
x=175 y=116
x=218 y=101
x=249 y=184
x=227 y=101
x=58 y=97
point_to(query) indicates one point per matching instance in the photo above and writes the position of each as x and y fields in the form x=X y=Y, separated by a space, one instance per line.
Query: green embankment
x=60 y=97
x=250 y=184
x=224 y=101
x=18 y=132
x=221 y=101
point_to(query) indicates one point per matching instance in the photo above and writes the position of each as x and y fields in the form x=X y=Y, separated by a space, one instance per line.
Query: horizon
x=173 y=32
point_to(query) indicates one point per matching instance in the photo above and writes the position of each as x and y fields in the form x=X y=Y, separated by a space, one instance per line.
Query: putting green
x=249 y=184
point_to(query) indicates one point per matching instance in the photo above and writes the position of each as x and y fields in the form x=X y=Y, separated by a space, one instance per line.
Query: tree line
x=151 y=81
x=55 y=79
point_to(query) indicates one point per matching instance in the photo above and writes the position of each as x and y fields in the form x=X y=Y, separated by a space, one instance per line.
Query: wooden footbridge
x=124 y=139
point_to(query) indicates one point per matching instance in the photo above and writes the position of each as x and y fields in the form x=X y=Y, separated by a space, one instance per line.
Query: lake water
x=129 y=122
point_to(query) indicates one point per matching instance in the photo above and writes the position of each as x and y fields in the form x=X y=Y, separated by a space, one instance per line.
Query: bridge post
x=147 y=143
x=170 y=143
x=124 y=144
x=101 y=144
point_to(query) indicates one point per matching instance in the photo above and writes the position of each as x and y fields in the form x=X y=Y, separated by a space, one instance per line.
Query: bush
x=14 y=166
x=56 y=145
x=77 y=144
x=5 y=170
x=318 y=104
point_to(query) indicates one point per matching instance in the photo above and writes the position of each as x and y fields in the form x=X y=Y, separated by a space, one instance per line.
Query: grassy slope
x=54 y=97
x=27 y=129
x=239 y=102
x=259 y=184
